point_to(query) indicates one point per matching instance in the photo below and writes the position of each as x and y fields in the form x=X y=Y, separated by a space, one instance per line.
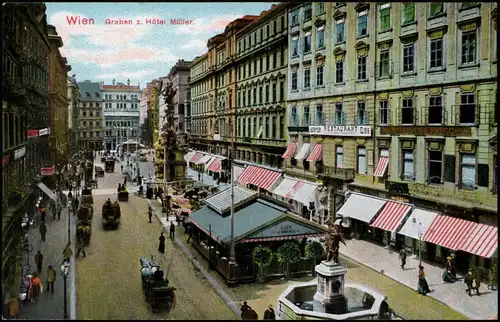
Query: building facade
x=25 y=68
x=73 y=113
x=121 y=114
x=143 y=106
x=400 y=102
x=58 y=100
x=90 y=120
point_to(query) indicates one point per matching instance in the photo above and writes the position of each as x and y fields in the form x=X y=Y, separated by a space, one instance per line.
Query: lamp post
x=420 y=236
x=65 y=273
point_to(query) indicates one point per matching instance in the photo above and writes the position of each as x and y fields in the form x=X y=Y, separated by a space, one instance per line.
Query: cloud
x=196 y=44
x=133 y=75
x=207 y=25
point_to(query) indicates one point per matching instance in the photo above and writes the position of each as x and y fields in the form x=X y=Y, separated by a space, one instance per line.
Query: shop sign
x=20 y=153
x=44 y=131
x=400 y=199
x=341 y=130
x=286 y=228
x=32 y=133
x=48 y=171
x=426 y=130
x=217 y=137
x=5 y=160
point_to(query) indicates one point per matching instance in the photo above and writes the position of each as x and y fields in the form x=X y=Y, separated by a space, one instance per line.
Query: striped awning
x=260 y=177
x=290 y=151
x=196 y=157
x=316 y=154
x=179 y=211
x=284 y=187
x=216 y=165
x=256 y=240
x=180 y=199
x=383 y=162
x=482 y=241
x=391 y=216
x=304 y=152
x=204 y=159
x=449 y=232
x=294 y=190
x=189 y=155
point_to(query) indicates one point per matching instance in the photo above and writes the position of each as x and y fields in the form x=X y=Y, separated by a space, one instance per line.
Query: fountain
x=330 y=297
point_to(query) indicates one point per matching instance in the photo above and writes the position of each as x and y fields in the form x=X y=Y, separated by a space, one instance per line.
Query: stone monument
x=329 y=297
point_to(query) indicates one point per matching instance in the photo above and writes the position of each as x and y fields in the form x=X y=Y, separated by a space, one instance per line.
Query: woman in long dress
x=161 y=246
x=423 y=287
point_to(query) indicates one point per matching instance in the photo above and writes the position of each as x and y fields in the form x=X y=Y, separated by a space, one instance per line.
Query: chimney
x=113 y=81
x=128 y=82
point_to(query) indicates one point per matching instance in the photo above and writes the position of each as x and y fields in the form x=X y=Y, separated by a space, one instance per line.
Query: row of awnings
x=297 y=190
x=212 y=162
x=258 y=176
x=305 y=152
x=445 y=231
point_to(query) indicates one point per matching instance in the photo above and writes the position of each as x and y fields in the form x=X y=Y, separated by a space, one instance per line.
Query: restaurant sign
x=32 y=133
x=47 y=171
x=286 y=228
x=426 y=130
x=341 y=130
x=44 y=131
x=20 y=153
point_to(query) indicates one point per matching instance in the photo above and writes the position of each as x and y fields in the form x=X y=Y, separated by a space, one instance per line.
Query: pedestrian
x=37 y=287
x=178 y=219
x=199 y=176
x=269 y=313
x=447 y=273
x=172 y=230
x=76 y=205
x=59 y=210
x=453 y=270
x=150 y=214
x=469 y=279
x=402 y=257
x=189 y=231
x=43 y=231
x=161 y=246
x=43 y=213
x=67 y=253
x=53 y=210
x=51 y=278
x=125 y=181
x=39 y=261
x=423 y=287
x=81 y=246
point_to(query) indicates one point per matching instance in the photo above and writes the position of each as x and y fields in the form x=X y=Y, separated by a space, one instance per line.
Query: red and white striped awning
x=260 y=177
x=290 y=151
x=216 y=165
x=196 y=157
x=294 y=189
x=180 y=199
x=256 y=240
x=449 y=232
x=316 y=154
x=179 y=211
x=391 y=216
x=383 y=162
x=483 y=241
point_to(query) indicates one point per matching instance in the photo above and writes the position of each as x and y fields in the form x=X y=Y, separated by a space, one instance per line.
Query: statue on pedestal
x=333 y=239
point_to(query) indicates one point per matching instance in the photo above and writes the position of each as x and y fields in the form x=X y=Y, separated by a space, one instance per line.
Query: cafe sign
x=20 y=153
x=32 y=133
x=426 y=130
x=47 y=171
x=341 y=130
x=44 y=131
x=286 y=228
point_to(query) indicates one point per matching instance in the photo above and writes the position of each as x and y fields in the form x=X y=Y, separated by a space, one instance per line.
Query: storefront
x=414 y=230
x=302 y=196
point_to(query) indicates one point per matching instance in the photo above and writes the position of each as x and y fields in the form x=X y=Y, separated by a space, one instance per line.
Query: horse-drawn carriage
x=122 y=193
x=155 y=286
x=99 y=171
x=84 y=224
x=86 y=197
x=110 y=165
x=111 y=213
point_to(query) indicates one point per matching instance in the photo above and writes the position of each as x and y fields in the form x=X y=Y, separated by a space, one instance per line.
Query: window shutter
x=449 y=168
x=482 y=175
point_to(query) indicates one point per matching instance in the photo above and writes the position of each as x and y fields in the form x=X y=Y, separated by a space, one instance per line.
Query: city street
x=109 y=280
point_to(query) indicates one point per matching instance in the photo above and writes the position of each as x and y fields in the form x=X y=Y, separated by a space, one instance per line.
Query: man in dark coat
x=43 y=231
x=402 y=257
x=269 y=313
x=150 y=213
x=172 y=230
x=189 y=230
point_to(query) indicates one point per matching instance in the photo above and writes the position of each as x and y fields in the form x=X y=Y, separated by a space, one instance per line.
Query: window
x=469 y=47
x=321 y=37
x=261 y=91
x=319 y=115
x=468 y=171
x=384 y=112
x=267 y=127
x=267 y=93
x=362 y=23
x=407 y=112
x=339 y=72
x=282 y=127
x=467 y=112
x=239 y=127
x=294 y=116
x=274 y=92
x=282 y=57
x=295 y=47
x=319 y=76
x=255 y=96
x=383 y=70
x=339 y=156
x=435 y=167
x=294 y=81
x=261 y=65
x=436 y=9
x=320 y=8
x=273 y=127
x=408 y=165
x=340 y=31
x=282 y=91
x=307 y=12
x=275 y=28
x=409 y=58
x=361 y=160
x=385 y=16
x=255 y=67
x=435 y=114
x=275 y=59
x=307 y=77
x=244 y=127
x=361 y=114
x=362 y=68
x=307 y=43
x=295 y=20
x=307 y=116
x=268 y=60
x=408 y=13
x=282 y=26
x=339 y=114
x=437 y=53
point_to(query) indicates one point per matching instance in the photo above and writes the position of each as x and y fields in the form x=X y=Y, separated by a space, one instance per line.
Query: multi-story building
x=154 y=102
x=202 y=111
x=90 y=120
x=58 y=100
x=121 y=114
x=24 y=125
x=73 y=113
x=399 y=101
x=261 y=68
x=143 y=106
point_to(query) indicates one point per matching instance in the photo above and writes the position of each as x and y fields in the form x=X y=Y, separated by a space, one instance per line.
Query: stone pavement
x=387 y=262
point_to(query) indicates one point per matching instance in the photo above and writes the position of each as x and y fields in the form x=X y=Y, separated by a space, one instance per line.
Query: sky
x=139 y=52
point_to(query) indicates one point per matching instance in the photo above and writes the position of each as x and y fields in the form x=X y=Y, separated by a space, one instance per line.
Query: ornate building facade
x=90 y=118
x=73 y=113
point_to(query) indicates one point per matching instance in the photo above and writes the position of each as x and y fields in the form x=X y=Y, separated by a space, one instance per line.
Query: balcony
x=294 y=125
x=324 y=171
x=466 y=114
x=434 y=115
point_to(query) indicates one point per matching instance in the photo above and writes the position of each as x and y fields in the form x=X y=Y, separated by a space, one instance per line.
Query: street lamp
x=420 y=236
x=65 y=273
